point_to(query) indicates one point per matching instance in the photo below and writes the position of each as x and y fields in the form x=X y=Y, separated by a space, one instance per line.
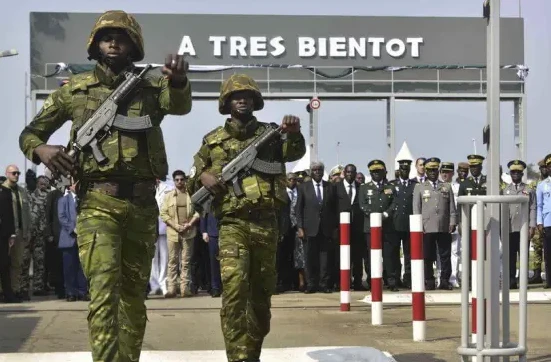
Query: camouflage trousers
x=247 y=252
x=116 y=240
x=33 y=252
x=537 y=244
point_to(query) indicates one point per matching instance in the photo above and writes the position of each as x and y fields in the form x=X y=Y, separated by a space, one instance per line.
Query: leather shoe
x=71 y=298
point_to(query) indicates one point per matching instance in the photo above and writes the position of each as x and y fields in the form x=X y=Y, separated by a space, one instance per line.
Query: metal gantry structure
x=446 y=83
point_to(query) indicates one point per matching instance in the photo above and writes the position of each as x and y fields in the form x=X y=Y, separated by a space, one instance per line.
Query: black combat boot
x=536 y=278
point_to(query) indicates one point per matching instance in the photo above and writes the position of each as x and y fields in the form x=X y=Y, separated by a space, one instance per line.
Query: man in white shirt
x=157 y=280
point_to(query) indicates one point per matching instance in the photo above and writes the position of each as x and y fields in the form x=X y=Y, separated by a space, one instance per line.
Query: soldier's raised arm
x=175 y=96
x=294 y=147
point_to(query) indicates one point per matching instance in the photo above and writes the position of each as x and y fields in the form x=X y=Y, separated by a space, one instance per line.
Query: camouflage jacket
x=261 y=190
x=131 y=154
x=39 y=222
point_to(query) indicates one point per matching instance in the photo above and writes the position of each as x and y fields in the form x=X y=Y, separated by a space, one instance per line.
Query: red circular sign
x=315 y=103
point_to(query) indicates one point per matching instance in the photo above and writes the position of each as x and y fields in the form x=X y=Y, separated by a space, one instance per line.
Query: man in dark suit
x=316 y=223
x=287 y=235
x=404 y=187
x=379 y=196
x=7 y=238
x=347 y=193
x=75 y=281
x=54 y=256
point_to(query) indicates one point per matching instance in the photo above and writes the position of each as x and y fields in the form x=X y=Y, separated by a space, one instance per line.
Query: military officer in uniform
x=537 y=239
x=476 y=183
x=434 y=200
x=379 y=196
x=404 y=187
x=462 y=173
x=117 y=211
x=248 y=233
x=517 y=187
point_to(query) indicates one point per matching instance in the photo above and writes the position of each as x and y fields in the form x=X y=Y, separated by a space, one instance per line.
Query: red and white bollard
x=417 y=278
x=474 y=273
x=345 y=261
x=376 y=224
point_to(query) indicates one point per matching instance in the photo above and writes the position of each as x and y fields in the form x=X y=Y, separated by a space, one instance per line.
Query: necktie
x=318 y=193
x=405 y=183
x=434 y=185
x=350 y=192
x=516 y=186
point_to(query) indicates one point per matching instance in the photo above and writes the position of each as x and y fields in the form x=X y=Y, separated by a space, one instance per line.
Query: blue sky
x=441 y=129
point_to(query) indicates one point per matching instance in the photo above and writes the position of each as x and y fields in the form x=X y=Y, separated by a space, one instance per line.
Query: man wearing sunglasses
x=22 y=218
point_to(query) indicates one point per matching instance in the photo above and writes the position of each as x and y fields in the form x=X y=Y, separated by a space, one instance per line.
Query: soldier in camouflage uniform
x=248 y=224
x=35 y=249
x=117 y=211
x=537 y=239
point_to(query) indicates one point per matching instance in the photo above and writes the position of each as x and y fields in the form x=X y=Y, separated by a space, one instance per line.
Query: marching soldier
x=404 y=187
x=517 y=187
x=379 y=196
x=117 y=210
x=248 y=234
x=434 y=200
x=537 y=239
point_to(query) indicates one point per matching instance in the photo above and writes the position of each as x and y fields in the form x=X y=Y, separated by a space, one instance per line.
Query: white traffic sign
x=315 y=103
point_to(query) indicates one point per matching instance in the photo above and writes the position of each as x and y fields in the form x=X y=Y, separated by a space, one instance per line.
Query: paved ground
x=299 y=320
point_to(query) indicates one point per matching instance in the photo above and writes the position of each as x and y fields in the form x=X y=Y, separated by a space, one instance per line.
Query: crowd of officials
x=37 y=230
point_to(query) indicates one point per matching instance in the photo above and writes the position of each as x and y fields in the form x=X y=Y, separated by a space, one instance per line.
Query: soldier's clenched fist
x=290 y=124
x=175 y=68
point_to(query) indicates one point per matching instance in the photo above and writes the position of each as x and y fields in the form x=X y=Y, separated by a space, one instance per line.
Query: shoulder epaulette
x=82 y=81
x=216 y=136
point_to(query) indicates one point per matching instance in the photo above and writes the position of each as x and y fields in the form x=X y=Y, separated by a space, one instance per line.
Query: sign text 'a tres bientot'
x=307 y=47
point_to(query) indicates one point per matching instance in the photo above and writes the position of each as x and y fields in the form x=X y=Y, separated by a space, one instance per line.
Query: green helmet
x=120 y=20
x=236 y=83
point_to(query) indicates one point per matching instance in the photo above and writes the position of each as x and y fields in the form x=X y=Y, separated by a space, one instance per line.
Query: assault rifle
x=240 y=166
x=105 y=117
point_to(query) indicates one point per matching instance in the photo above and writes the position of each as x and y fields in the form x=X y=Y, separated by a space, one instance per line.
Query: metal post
x=33 y=114
x=313 y=135
x=523 y=277
x=522 y=120
x=493 y=104
x=390 y=133
x=26 y=114
x=505 y=301
x=465 y=276
x=481 y=296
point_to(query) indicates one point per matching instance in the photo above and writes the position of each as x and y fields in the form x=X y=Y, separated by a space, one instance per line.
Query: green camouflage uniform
x=537 y=240
x=248 y=225
x=36 y=248
x=116 y=234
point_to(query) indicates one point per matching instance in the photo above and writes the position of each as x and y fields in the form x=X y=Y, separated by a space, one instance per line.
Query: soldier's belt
x=256 y=214
x=123 y=189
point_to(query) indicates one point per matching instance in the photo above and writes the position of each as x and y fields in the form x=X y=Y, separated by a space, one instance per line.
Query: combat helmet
x=236 y=83
x=120 y=20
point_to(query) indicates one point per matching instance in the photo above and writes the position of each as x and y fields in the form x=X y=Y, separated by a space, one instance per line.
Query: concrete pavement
x=299 y=320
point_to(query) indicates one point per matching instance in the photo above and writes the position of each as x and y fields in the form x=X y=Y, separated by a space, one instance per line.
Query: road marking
x=301 y=354
x=451 y=298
